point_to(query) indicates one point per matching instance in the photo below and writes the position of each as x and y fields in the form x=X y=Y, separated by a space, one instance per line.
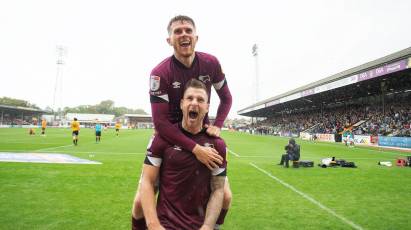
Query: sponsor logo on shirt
x=204 y=79
x=176 y=147
x=156 y=93
x=176 y=85
x=208 y=145
x=154 y=83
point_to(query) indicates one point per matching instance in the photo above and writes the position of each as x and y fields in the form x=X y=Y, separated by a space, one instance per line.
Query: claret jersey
x=184 y=181
x=167 y=83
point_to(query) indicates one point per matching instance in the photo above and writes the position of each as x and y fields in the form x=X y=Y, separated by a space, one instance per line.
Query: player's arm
x=215 y=203
x=148 y=197
x=151 y=170
x=160 y=109
x=223 y=92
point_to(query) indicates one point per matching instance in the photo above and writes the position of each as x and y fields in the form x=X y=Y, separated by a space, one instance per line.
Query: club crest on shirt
x=176 y=147
x=208 y=145
x=204 y=79
x=176 y=85
x=154 y=83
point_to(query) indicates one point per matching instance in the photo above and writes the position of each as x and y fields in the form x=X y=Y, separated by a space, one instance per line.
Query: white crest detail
x=176 y=85
x=204 y=79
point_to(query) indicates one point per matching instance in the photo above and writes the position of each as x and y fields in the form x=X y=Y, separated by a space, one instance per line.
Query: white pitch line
x=63 y=146
x=345 y=220
x=235 y=154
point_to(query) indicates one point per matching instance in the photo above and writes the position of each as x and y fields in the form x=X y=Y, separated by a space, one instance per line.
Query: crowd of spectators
x=15 y=121
x=395 y=122
x=392 y=120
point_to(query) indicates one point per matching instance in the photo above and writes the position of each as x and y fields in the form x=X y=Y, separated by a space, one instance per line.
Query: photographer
x=292 y=153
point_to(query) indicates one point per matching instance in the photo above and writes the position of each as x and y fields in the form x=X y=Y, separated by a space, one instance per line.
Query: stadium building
x=19 y=116
x=137 y=121
x=373 y=99
x=88 y=119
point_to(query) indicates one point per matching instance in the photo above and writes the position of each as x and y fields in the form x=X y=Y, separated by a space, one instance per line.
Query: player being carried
x=167 y=81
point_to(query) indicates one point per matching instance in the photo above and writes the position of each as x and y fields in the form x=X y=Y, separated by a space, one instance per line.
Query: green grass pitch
x=265 y=195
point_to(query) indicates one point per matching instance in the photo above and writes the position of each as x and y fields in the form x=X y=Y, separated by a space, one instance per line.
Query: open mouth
x=185 y=43
x=192 y=114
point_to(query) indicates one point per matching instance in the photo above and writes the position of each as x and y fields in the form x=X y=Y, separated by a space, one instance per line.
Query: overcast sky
x=113 y=45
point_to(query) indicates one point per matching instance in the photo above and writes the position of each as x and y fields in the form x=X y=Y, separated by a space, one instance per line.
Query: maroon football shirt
x=167 y=83
x=184 y=181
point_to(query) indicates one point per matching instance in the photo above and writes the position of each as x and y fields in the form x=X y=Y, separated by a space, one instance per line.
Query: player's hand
x=207 y=156
x=206 y=227
x=213 y=130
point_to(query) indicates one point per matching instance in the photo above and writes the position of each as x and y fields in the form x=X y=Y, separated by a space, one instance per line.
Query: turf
x=69 y=196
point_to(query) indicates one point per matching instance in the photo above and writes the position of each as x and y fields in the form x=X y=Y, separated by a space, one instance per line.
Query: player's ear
x=181 y=104
x=169 y=41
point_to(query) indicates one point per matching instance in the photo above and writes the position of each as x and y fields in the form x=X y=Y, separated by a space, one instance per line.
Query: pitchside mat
x=43 y=158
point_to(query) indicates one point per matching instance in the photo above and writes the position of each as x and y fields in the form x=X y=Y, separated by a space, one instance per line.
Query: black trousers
x=285 y=159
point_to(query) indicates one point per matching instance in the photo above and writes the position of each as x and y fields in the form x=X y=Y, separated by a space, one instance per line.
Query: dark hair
x=180 y=18
x=75 y=119
x=194 y=83
x=292 y=141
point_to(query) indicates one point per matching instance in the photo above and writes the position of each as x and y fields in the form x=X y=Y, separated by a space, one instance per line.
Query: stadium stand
x=371 y=99
x=19 y=116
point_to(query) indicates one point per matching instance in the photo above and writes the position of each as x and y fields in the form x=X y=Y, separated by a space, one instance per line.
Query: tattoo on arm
x=215 y=203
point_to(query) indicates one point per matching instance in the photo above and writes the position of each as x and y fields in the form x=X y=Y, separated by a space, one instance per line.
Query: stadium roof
x=380 y=67
x=20 y=108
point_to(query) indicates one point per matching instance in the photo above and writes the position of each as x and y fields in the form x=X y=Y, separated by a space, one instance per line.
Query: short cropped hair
x=181 y=18
x=194 y=83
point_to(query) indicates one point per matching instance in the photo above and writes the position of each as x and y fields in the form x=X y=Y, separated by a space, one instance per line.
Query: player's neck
x=193 y=128
x=186 y=61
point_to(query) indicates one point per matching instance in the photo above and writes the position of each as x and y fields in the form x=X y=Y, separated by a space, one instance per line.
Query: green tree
x=17 y=102
x=104 y=107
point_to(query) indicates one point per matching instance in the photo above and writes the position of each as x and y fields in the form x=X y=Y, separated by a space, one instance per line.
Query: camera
x=288 y=147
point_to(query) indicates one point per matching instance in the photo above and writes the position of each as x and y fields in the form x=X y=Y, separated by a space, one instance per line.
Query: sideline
x=235 y=154
x=342 y=218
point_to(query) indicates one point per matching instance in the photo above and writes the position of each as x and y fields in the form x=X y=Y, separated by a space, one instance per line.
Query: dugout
x=17 y=116
x=376 y=82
